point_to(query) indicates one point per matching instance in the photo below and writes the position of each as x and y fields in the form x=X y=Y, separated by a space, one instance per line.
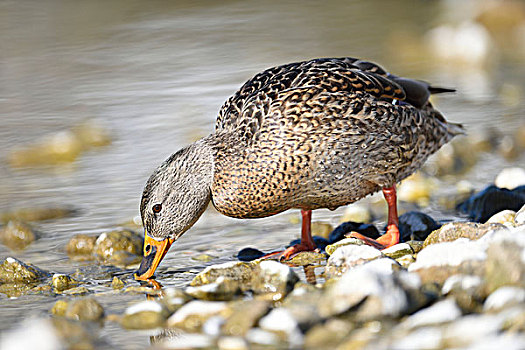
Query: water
x=155 y=74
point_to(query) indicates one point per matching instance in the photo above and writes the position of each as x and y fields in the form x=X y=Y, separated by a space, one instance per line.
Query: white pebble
x=441 y=312
x=449 y=254
x=503 y=297
x=197 y=307
x=146 y=305
x=462 y=282
x=510 y=178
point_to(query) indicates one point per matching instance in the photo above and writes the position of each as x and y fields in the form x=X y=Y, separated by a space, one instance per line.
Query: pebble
x=328 y=335
x=191 y=316
x=147 y=314
x=81 y=246
x=307 y=258
x=461 y=282
x=17 y=235
x=59 y=308
x=273 y=277
x=398 y=250
x=441 y=312
x=36 y=214
x=117 y=283
x=120 y=246
x=239 y=271
x=32 y=333
x=357 y=213
x=222 y=289
x=244 y=315
x=84 y=309
x=519 y=219
x=187 y=341
x=262 y=337
x=330 y=249
x=348 y=256
x=504 y=297
x=505 y=217
x=321 y=229
x=232 y=343
x=416 y=189
x=249 y=254
x=510 y=178
x=203 y=258
x=505 y=265
x=174 y=298
x=281 y=321
x=449 y=254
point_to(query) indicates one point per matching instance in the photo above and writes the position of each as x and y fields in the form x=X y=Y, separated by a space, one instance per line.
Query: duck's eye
x=157 y=208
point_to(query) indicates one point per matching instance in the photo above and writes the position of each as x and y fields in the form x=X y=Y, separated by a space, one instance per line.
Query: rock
x=370 y=292
x=36 y=214
x=406 y=260
x=249 y=254
x=307 y=258
x=330 y=249
x=416 y=189
x=519 y=219
x=421 y=338
x=482 y=205
x=81 y=246
x=187 y=341
x=238 y=271
x=121 y=247
x=232 y=343
x=281 y=322
x=302 y=303
x=342 y=230
x=327 y=335
x=174 y=298
x=398 y=250
x=357 y=213
x=222 y=289
x=144 y=315
x=415 y=245
x=505 y=217
x=468 y=291
x=32 y=333
x=454 y=230
x=62 y=282
x=504 y=297
x=348 y=256
x=441 y=312
x=509 y=148
x=14 y=271
x=59 y=308
x=262 y=337
x=244 y=315
x=17 y=235
x=192 y=315
x=117 y=283
x=321 y=229
x=84 y=309
x=461 y=282
x=320 y=242
x=416 y=226
x=470 y=328
x=510 y=178
x=76 y=291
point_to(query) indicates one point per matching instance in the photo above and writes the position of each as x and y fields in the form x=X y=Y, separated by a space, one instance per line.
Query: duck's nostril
x=147 y=249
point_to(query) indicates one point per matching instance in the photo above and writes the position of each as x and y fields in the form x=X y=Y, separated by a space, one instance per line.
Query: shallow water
x=155 y=74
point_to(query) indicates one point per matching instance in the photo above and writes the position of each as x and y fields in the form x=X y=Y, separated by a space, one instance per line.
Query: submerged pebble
x=81 y=246
x=84 y=309
x=17 y=235
x=13 y=270
x=119 y=246
x=62 y=282
x=36 y=214
x=144 y=315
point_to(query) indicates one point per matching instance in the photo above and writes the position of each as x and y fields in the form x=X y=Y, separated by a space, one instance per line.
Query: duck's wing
x=246 y=111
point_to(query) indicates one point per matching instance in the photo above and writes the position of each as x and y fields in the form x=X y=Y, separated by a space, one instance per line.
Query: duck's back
x=321 y=133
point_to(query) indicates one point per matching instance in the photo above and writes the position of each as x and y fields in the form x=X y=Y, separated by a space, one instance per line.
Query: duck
x=321 y=133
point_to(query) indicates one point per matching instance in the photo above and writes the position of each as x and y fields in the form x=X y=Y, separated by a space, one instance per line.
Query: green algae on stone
x=84 y=309
x=81 y=246
x=117 y=283
x=62 y=282
x=15 y=271
x=454 y=230
x=14 y=290
x=17 y=235
x=307 y=258
x=398 y=250
x=126 y=242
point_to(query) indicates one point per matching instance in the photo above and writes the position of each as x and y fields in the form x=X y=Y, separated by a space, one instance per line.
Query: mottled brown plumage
x=316 y=134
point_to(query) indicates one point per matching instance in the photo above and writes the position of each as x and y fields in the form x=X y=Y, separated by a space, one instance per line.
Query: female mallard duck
x=315 y=134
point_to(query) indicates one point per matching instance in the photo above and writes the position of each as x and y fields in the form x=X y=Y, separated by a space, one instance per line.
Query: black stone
x=482 y=205
x=320 y=242
x=249 y=254
x=365 y=229
x=416 y=226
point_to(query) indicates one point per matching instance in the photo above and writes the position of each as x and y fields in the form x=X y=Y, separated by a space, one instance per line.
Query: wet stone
x=62 y=282
x=416 y=226
x=81 y=246
x=504 y=297
x=302 y=303
x=330 y=249
x=406 y=260
x=244 y=315
x=468 y=291
x=203 y=258
x=440 y=312
x=398 y=250
x=482 y=205
x=341 y=231
x=455 y=230
x=222 y=289
x=327 y=335
x=192 y=315
x=13 y=270
x=232 y=343
x=76 y=291
x=281 y=322
x=59 y=308
x=519 y=219
x=174 y=298
x=504 y=266
x=144 y=315
x=320 y=242
x=121 y=246
x=17 y=235
x=348 y=256
x=273 y=277
x=84 y=309
x=415 y=245
x=238 y=271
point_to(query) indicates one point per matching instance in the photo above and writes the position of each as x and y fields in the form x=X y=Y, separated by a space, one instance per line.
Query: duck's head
x=174 y=197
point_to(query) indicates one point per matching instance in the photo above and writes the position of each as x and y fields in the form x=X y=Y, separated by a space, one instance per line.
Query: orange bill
x=154 y=252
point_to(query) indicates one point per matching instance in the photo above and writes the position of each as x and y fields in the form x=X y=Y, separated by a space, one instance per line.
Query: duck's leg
x=391 y=237
x=307 y=243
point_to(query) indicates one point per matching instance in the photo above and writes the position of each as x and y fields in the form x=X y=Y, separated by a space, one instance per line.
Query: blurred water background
x=154 y=74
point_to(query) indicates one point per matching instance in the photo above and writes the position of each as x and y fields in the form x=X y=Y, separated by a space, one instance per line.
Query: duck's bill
x=154 y=252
